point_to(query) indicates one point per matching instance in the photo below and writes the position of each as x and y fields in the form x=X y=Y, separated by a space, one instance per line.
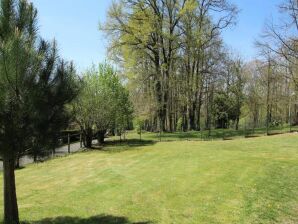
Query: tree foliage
x=35 y=87
x=169 y=50
x=103 y=104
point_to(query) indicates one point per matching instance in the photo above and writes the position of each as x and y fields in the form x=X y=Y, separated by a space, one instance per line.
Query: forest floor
x=251 y=180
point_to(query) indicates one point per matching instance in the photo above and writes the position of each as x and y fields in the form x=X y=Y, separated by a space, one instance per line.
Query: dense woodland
x=181 y=76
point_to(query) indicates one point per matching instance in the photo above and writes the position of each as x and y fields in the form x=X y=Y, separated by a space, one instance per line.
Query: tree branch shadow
x=100 y=219
x=124 y=145
x=130 y=142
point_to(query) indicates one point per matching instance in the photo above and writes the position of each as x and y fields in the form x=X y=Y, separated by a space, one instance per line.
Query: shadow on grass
x=100 y=219
x=20 y=167
x=180 y=135
x=124 y=145
x=130 y=142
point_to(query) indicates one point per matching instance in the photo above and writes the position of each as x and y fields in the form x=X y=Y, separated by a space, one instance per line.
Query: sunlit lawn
x=241 y=181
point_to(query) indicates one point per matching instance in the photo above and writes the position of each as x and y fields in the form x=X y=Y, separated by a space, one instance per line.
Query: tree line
x=173 y=56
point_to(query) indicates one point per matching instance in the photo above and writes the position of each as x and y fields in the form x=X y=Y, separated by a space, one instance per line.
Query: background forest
x=182 y=77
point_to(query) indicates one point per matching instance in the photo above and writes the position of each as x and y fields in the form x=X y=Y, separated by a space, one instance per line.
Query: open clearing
x=239 y=181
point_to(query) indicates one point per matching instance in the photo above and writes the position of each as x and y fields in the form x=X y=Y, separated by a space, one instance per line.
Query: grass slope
x=240 y=181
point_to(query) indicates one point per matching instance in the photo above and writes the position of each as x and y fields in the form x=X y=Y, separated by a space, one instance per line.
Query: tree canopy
x=103 y=104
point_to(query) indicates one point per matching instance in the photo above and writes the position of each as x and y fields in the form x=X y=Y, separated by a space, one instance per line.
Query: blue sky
x=74 y=24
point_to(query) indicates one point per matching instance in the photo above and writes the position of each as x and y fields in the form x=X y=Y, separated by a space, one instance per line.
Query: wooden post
x=160 y=129
x=53 y=152
x=223 y=130
x=245 y=134
x=290 y=114
x=81 y=145
x=68 y=142
x=201 y=130
x=290 y=118
x=160 y=135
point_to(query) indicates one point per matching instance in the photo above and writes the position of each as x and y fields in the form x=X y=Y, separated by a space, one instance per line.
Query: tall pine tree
x=35 y=87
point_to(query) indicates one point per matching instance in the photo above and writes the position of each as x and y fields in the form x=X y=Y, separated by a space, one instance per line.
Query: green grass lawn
x=241 y=181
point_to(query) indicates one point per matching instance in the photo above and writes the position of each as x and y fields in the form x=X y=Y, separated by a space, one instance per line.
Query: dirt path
x=63 y=150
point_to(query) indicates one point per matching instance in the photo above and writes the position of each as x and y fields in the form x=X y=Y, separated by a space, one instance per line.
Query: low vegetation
x=243 y=181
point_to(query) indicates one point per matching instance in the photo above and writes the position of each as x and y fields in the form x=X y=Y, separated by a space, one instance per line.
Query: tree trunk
x=88 y=141
x=192 y=121
x=199 y=116
x=296 y=113
x=35 y=157
x=237 y=124
x=184 y=119
x=88 y=138
x=101 y=136
x=11 y=214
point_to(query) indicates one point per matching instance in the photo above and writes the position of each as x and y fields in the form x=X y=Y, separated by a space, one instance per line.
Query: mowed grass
x=239 y=181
